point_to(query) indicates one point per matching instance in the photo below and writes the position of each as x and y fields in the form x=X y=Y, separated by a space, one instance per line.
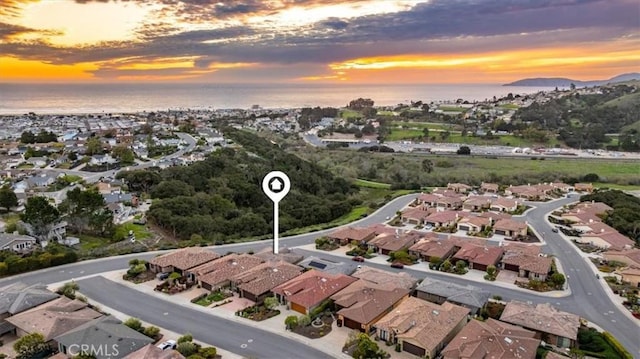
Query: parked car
x=397 y=265
x=554 y=230
x=358 y=259
x=162 y=276
x=169 y=344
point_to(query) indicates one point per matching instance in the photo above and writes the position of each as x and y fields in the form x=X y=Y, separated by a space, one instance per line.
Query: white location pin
x=276 y=185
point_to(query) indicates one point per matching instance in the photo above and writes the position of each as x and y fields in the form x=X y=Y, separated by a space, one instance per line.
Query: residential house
x=310 y=289
x=502 y=204
x=362 y=303
x=442 y=219
x=327 y=265
x=526 y=261
x=528 y=192
x=387 y=242
x=476 y=203
x=107 y=188
x=630 y=257
x=151 y=351
x=551 y=325
x=434 y=247
x=284 y=254
x=583 y=187
x=352 y=235
x=593 y=207
x=17 y=242
x=257 y=282
x=495 y=216
x=492 y=339
x=630 y=275
x=118 y=197
x=603 y=236
x=218 y=273
x=562 y=187
x=17 y=297
x=182 y=260
x=385 y=278
x=416 y=215
x=478 y=257
x=53 y=318
x=422 y=328
x=459 y=187
x=443 y=192
x=489 y=187
x=580 y=219
x=474 y=224
x=439 y=291
x=510 y=228
x=100 y=160
x=106 y=337
x=449 y=203
x=38 y=161
x=427 y=200
x=40 y=181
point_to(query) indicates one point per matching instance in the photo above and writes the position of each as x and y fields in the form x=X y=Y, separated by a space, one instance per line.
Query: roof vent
x=508 y=340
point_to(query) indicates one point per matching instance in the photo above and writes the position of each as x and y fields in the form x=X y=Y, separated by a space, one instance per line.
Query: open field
x=347 y=113
x=452 y=108
x=407 y=168
x=401 y=134
x=509 y=106
x=371 y=184
x=421 y=125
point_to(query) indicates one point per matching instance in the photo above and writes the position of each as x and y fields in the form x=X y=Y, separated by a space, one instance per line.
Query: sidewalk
x=472 y=275
x=330 y=344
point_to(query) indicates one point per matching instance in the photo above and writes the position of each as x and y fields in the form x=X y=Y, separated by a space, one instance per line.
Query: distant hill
x=566 y=82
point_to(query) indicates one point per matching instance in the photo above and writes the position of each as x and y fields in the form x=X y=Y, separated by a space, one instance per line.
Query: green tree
x=27 y=137
x=124 y=154
x=464 y=150
x=41 y=215
x=291 y=322
x=367 y=348
x=304 y=320
x=85 y=210
x=72 y=156
x=434 y=262
x=427 y=165
x=557 y=279
x=461 y=267
x=94 y=146
x=270 y=302
x=446 y=266
x=30 y=345
x=425 y=132
x=8 y=198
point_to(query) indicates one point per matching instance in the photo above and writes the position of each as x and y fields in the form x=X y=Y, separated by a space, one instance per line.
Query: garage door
x=464 y=228
x=502 y=233
x=352 y=324
x=413 y=349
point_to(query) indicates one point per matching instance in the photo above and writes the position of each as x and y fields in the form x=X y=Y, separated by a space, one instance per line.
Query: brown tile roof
x=492 y=339
x=531 y=263
x=352 y=233
x=384 y=278
x=479 y=254
x=428 y=197
x=616 y=240
x=542 y=318
x=433 y=247
x=446 y=193
x=424 y=322
x=509 y=225
x=458 y=186
x=495 y=216
x=489 y=186
x=554 y=355
x=151 y=351
x=284 y=254
x=417 y=213
x=443 y=217
x=632 y=255
x=394 y=242
x=594 y=207
x=450 y=200
x=55 y=317
x=476 y=221
x=363 y=301
x=312 y=287
x=514 y=248
x=264 y=277
x=504 y=202
x=583 y=186
x=185 y=258
x=478 y=201
x=223 y=269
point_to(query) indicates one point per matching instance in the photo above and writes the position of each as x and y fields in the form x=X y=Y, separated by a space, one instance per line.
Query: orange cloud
x=12 y=69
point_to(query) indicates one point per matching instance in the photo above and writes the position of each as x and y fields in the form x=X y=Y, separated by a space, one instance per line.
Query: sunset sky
x=307 y=41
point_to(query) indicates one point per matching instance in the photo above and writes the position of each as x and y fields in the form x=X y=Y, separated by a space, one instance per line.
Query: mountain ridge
x=566 y=82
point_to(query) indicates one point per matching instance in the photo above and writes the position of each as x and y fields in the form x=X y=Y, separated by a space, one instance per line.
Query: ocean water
x=117 y=98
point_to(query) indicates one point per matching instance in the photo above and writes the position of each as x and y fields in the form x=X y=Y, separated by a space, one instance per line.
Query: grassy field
x=452 y=108
x=633 y=126
x=347 y=114
x=421 y=125
x=401 y=134
x=371 y=184
x=625 y=101
x=510 y=106
x=620 y=187
x=386 y=113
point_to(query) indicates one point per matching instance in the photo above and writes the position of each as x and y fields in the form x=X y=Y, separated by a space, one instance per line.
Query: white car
x=169 y=344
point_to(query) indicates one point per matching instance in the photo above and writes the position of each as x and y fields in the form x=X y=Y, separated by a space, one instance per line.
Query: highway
x=588 y=298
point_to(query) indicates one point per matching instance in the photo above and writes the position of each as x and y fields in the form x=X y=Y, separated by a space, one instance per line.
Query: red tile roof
x=312 y=287
x=478 y=254
x=363 y=301
x=185 y=258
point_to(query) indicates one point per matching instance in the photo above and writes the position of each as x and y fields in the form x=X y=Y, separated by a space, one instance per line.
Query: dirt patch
x=316 y=330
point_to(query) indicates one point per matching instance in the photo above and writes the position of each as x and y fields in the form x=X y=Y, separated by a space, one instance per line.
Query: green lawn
x=400 y=134
x=452 y=108
x=420 y=125
x=371 y=184
x=88 y=243
x=25 y=166
x=620 y=187
x=347 y=114
x=139 y=231
x=386 y=113
x=210 y=299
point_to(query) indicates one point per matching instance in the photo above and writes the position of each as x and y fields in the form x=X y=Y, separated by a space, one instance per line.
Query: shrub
x=270 y=302
x=304 y=320
x=185 y=338
x=208 y=352
x=68 y=290
x=151 y=331
x=187 y=348
x=134 y=323
x=291 y=322
x=616 y=345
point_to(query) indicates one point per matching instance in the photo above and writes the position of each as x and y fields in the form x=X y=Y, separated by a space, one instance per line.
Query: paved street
x=245 y=340
x=588 y=298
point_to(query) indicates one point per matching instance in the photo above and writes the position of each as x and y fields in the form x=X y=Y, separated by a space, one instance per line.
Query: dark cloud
x=440 y=26
x=9 y=30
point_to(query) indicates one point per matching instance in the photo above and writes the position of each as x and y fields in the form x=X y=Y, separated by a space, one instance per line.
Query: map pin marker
x=276 y=185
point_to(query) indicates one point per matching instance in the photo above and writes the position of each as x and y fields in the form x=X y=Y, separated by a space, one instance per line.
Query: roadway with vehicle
x=588 y=297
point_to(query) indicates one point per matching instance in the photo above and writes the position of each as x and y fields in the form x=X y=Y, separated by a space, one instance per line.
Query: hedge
x=615 y=344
